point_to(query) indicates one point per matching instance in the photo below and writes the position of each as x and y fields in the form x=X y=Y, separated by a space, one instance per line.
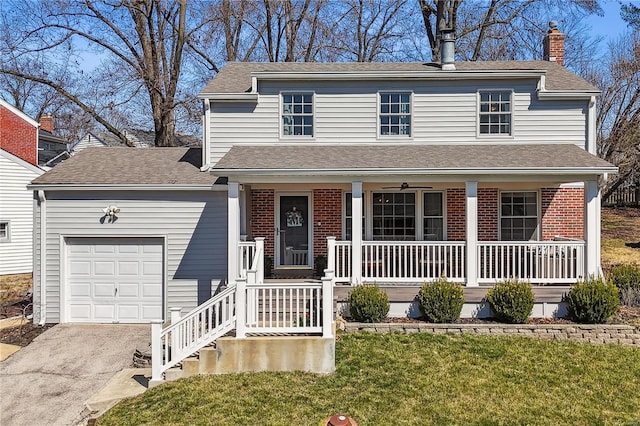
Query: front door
x=293 y=231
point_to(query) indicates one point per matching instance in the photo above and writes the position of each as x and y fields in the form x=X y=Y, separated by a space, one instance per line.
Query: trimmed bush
x=627 y=279
x=511 y=301
x=592 y=301
x=367 y=303
x=440 y=301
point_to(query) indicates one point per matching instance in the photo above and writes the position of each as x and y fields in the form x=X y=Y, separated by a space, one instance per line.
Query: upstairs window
x=297 y=114
x=519 y=216
x=495 y=113
x=395 y=114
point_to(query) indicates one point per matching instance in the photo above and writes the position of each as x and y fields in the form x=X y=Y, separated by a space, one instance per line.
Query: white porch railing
x=413 y=260
x=188 y=334
x=399 y=261
x=538 y=262
x=246 y=254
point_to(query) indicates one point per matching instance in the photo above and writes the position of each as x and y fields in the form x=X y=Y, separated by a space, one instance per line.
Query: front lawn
x=414 y=379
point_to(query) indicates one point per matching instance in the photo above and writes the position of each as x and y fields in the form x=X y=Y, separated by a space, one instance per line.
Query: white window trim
x=494 y=135
x=6 y=239
x=378 y=113
x=538 y=212
x=280 y=113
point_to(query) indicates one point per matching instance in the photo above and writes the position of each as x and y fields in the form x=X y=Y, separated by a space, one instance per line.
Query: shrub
x=592 y=301
x=440 y=301
x=511 y=300
x=367 y=303
x=627 y=279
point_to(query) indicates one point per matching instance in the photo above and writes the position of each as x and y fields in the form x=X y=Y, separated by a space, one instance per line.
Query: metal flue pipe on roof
x=448 y=51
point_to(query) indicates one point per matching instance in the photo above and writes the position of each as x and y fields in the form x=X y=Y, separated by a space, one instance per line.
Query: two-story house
x=387 y=173
x=18 y=167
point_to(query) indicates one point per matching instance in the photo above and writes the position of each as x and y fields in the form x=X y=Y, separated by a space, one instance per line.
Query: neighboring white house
x=16 y=214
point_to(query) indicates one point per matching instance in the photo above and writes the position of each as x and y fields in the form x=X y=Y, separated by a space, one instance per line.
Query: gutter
x=43 y=256
x=418 y=171
x=127 y=187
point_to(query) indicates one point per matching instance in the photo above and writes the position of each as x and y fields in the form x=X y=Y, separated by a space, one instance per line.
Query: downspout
x=43 y=256
x=206 y=149
x=591 y=129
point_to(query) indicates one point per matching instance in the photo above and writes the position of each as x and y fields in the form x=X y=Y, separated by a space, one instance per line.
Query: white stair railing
x=186 y=335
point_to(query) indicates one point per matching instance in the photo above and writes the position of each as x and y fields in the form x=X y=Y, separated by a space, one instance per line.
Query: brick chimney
x=554 y=44
x=46 y=123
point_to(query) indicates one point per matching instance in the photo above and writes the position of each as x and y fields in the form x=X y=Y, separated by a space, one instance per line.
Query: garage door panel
x=104 y=312
x=152 y=268
x=104 y=289
x=80 y=268
x=80 y=290
x=151 y=312
x=80 y=312
x=115 y=279
x=129 y=289
x=128 y=268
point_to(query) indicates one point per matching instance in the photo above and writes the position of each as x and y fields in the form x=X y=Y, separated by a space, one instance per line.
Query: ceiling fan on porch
x=405 y=185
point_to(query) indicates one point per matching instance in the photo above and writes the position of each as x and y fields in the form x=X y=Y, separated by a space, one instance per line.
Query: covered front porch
x=473 y=214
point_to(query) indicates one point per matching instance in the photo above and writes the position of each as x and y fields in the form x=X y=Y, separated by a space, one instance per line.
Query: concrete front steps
x=260 y=353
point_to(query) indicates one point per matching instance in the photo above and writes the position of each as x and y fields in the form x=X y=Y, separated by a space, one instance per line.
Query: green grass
x=414 y=379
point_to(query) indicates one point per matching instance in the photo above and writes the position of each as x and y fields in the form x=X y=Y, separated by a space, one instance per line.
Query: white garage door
x=114 y=280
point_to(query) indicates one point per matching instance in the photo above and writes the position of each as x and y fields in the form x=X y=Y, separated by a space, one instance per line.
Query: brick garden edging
x=591 y=333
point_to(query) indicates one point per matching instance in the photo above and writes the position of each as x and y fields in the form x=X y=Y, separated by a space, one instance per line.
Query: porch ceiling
x=522 y=159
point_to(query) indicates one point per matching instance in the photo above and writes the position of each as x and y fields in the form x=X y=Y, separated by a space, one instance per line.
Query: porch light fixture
x=111 y=211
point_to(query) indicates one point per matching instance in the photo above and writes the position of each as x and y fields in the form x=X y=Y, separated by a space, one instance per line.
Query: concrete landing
x=127 y=383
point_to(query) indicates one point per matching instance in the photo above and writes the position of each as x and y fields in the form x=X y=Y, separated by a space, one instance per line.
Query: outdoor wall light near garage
x=111 y=212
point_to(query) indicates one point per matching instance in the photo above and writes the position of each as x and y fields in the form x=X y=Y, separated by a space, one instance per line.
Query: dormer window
x=495 y=113
x=297 y=114
x=395 y=114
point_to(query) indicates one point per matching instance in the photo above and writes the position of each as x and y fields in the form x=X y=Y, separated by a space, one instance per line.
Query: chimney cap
x=553 y=25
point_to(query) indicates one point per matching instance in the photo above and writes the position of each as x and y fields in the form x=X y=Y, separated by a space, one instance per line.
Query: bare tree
x=619 y=112
x=144 y=40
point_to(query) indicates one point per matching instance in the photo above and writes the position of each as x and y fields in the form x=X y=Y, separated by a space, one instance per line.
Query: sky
x=611 y=25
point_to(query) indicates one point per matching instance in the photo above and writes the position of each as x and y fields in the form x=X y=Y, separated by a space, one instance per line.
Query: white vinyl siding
x=443 y=112
x=16 y=212
x=193 y=224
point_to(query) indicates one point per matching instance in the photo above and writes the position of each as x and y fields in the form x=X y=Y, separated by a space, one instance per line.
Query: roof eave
x=567 y=94
x=418 y=171
x=125 y=187
x=229 y=97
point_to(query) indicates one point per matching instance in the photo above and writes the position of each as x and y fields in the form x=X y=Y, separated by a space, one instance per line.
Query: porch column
x=472 y=233
x=233 y=230
x=592 y=228
x=356 y=233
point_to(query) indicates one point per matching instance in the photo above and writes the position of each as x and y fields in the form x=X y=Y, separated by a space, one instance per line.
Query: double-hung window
x=395 y=114
x=518 y=216
x=348 y=224
x=394 y=216
x=495 y=113
x=5 y=231
x=433 y=220
x=297 y=114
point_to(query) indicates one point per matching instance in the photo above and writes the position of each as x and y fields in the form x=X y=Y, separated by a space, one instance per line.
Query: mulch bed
x=24 y=334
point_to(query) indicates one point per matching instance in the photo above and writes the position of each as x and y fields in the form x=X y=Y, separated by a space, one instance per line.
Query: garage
x=114 y=280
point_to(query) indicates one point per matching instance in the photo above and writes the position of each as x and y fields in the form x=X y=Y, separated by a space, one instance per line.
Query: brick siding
x=562 y=213
x=456 y=214
x=488 y=206
x=262 y=217
x=18 y=137
x=327 y=210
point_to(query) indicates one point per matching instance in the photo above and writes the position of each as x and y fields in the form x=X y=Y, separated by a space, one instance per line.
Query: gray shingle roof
x=451 y=157
x=235 y=77
x=122 y=166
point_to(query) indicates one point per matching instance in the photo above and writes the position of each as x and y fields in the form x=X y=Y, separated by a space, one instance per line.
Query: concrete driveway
x=48 y=382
